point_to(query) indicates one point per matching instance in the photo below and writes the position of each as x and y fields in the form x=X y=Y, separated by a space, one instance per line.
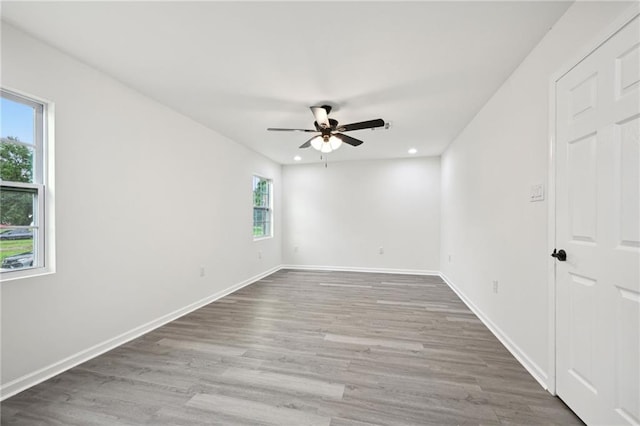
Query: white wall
x=489 y=227
x=341 y=215
x=144 y=197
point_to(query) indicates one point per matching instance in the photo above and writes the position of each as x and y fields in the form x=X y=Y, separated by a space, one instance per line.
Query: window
x=262 y=210
x=22 y=184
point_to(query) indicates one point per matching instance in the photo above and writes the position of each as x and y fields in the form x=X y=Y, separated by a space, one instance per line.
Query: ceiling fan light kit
x=331 y=135
x=326 y=144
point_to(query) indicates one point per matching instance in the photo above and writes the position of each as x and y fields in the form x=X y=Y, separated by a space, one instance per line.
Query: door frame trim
x=627 y=16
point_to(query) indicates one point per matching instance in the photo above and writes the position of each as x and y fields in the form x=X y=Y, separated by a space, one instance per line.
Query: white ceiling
x=240 y=67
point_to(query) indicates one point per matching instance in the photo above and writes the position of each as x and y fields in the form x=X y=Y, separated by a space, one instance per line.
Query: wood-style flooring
x=304 y=348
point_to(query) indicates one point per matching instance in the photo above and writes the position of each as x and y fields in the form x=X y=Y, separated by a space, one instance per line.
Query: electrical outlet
x=295 y=249
x=202 y=271
x=450 y=258
x=536 y=193
x=259 y=254
x=495 y=286
x=381 y=250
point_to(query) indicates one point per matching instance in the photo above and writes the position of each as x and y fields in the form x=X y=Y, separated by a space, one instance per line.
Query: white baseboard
x=361 y=269
x=22 y=383
x=534 y=369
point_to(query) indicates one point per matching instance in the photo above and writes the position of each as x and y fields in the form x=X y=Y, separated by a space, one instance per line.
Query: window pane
x=17 y=121
x=257 y=196
x=16 y=248
x=16 y=162
x=22 y=182
x=261 y=207
x=17 y=207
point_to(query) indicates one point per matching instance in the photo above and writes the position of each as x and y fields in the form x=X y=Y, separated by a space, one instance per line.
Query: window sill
x=263 y=238
x=25 y=273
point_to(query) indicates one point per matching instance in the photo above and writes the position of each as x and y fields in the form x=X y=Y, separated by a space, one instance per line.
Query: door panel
x=582 y=170
x=582 y=319
x=627 y=183
x=627 y=395
x=583 y=97
x=628 y=71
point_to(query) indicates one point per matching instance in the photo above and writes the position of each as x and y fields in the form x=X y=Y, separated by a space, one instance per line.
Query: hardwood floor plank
x=345 y=285
x=286 y=382
x=412 y=304
x=202 y=347
x=337 y=421
x=367 y=341
x=256 y=412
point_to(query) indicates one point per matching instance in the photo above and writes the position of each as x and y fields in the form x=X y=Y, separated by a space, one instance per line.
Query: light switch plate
x=537 y=193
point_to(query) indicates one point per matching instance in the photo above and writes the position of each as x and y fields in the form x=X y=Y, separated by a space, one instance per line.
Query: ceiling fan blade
x=371 y=124
x=277 y=129
x=348 y=139
x=307 y=144
x=321 y=116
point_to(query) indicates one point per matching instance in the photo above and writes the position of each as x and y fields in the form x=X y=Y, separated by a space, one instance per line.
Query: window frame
x=42 y=186
x=268 y=209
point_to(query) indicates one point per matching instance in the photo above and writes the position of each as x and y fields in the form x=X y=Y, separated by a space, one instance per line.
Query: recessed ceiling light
x=297 y=158
x=412 y=151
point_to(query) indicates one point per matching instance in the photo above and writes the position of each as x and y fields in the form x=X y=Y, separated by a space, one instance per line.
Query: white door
x=598 y=225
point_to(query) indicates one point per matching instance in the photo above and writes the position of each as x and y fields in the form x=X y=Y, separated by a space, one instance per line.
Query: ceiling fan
x=330 y=134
